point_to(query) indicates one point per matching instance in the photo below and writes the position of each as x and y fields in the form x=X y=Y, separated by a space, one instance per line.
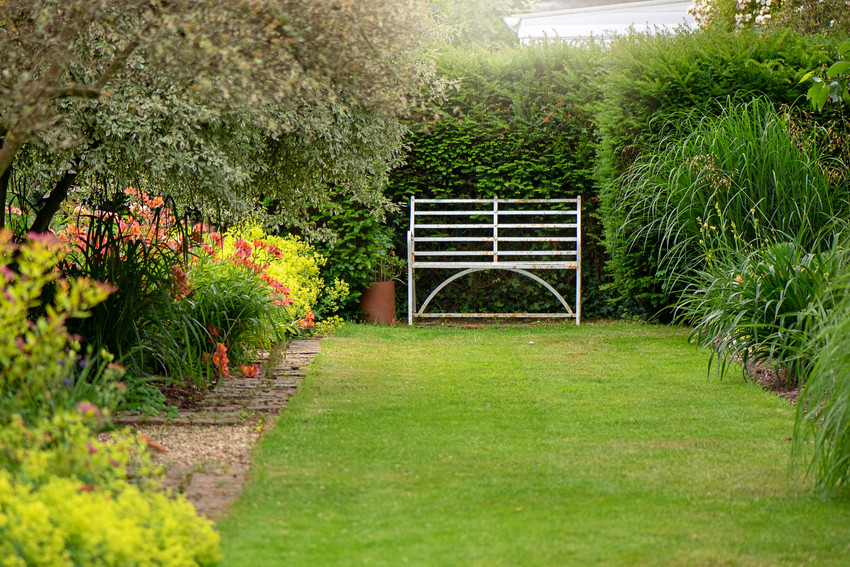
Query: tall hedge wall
x=519 y=125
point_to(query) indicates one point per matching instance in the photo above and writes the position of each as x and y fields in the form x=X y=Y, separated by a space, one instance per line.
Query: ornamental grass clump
x=763 y=306
x=746 y=225
x=823 y=406
x=739 y=174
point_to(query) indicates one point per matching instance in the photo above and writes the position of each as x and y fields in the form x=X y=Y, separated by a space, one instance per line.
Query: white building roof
x=601 y=21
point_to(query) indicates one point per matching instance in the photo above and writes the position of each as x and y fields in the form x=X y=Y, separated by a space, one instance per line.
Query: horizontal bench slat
x=537 y=252
x=490 y=213
x=512 y=225
x=454 y=239
x=498 y=200
x=538 y=239
x=489 y=315
x=510 y=213
x=521 y=265
x=427 y=226
x=454 y=252
x=499 y=253
x=491 y=239
x=539 y=225
x=452 y=213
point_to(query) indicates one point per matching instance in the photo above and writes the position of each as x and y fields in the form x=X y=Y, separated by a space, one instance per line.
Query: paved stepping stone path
x=206 y=450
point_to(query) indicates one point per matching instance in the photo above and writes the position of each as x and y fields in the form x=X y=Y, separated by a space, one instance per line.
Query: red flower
x=307 y=321
x=220 y=360
x=181 y=283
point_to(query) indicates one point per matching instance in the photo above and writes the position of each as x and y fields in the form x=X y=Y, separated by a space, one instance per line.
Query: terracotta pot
x=377 y=304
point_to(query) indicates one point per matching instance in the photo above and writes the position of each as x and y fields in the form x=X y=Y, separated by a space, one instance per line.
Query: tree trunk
x=51 y=203
x=4 y=191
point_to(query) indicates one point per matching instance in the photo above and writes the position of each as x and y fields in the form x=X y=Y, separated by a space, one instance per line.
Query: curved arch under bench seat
x=468 y=271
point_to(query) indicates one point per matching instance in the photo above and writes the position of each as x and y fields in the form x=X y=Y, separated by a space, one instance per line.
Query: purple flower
x=67 y=381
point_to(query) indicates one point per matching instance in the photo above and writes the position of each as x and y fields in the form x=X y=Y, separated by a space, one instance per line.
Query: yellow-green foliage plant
x=297 y=266
x=61 y=524
x=67 y=498
x=39 y=369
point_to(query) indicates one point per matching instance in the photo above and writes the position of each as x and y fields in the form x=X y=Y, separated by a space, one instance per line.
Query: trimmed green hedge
x=521 y=124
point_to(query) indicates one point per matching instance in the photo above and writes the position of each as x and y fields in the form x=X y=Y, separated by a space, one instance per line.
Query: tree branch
x=4 y=190
x=7 y=154
x=84 y=91
x=116 y=64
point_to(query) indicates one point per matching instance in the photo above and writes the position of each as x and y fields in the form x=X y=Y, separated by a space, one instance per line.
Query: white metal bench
x=472 y=235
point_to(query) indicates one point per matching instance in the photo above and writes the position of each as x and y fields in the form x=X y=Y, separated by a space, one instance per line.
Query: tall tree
x=190 y=91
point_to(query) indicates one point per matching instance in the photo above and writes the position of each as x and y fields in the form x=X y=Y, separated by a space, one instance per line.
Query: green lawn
x=591 y=445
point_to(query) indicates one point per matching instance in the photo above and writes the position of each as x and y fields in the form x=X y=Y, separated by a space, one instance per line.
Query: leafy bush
x=67 y=498
x=355 y=234
x=41 y=370
x=58 y=524
x=243 y=292
x=294 y=264
x=763 y=306
x=228 y=315
x=65 y=446
x=813 y=16
x=653 y=82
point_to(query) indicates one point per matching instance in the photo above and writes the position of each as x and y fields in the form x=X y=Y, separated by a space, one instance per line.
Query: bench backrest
x=525 y=233
x=511 y=234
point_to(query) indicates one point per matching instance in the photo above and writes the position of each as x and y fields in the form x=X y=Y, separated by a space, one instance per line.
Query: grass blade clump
x=736 y=182
x=763 y=306
x=823 y=408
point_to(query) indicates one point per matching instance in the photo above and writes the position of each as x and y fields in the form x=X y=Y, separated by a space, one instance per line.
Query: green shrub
x=59 y=524
x=68 y=498
x=41 y=370
x=293 y=263
x=653 y=82
x=355 y=235
x=813 y=16
x=65 y=446
x=226 y=317
x=243 y=292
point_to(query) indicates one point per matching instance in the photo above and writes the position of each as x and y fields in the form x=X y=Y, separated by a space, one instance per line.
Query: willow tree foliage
x=218 y=103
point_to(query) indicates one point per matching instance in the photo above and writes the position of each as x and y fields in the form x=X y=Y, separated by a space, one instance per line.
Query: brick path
x=212 y=486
